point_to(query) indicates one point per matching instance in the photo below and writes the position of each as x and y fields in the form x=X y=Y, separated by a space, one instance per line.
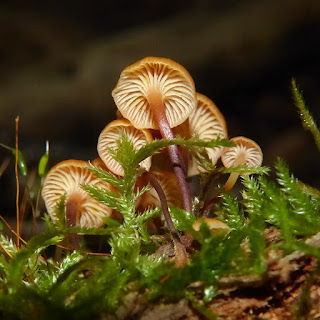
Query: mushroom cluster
x=156 y=99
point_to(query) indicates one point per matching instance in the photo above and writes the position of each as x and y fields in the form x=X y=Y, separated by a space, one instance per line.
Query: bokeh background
x=60 y=60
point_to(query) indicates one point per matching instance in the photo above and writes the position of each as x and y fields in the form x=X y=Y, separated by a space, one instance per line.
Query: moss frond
x=308 y=121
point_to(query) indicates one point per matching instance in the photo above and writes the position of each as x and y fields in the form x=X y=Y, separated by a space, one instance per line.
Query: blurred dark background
x=60 y=60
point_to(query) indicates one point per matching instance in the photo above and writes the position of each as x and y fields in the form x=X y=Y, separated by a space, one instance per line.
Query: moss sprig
x=308 y=121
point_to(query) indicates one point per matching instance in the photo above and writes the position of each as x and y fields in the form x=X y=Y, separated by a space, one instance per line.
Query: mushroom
x=207 y=122
x=158 y=93
x=108 y=139
x=66 y=178
x=246 y=153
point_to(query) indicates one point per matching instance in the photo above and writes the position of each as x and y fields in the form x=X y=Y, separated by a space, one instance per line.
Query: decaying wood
x=289 y=288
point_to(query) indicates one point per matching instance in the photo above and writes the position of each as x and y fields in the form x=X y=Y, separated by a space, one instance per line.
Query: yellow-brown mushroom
x=108 y=140
x=208 y=123
x=66 y=178
x=158 y=93
x=246 y=153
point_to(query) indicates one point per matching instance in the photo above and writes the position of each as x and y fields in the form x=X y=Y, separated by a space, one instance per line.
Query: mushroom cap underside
x=208 y=123
x=246 y=152
x=155 y=77
x=65 y=179
x=108 y=140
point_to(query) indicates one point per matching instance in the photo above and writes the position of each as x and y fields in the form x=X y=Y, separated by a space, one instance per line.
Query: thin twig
x=17 y=182
x=9 y=227
x=86 y=252
x=6 y=251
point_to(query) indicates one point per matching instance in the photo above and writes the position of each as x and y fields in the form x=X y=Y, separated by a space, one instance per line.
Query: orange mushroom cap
x=66 y=178
x=207 y=122
x=152 y=79
x=108 y=139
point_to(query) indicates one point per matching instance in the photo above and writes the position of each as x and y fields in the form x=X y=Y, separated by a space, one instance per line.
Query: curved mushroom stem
x=181 y=257
x=163 y=200
x=158 y=110
x=227 y=187
x=234 y=175
x=231 y=181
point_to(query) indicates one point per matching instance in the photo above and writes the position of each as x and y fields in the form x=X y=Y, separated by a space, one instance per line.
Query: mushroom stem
x=234 y=175
x=72 y=216
x=246 y=153
x=183 y=151
x=160 y=117
x=231 y=181
x=181 y=257
x=208 y=205
x=163 y=200
x=73 y=209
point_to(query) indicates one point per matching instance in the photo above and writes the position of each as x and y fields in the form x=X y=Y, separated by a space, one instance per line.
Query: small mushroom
x=246 y=153
x=158 y=93
x=207 y=122
x=66 y=178
x=111 y=133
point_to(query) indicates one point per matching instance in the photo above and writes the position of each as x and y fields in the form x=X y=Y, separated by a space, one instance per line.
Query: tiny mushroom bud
x=215 y=226
x=108 y=139
x=246 y=153
x=158 y=93
x=66 y=178
x=208 y=123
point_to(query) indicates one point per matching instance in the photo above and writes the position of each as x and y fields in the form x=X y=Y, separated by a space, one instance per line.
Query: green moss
x=83 y=286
